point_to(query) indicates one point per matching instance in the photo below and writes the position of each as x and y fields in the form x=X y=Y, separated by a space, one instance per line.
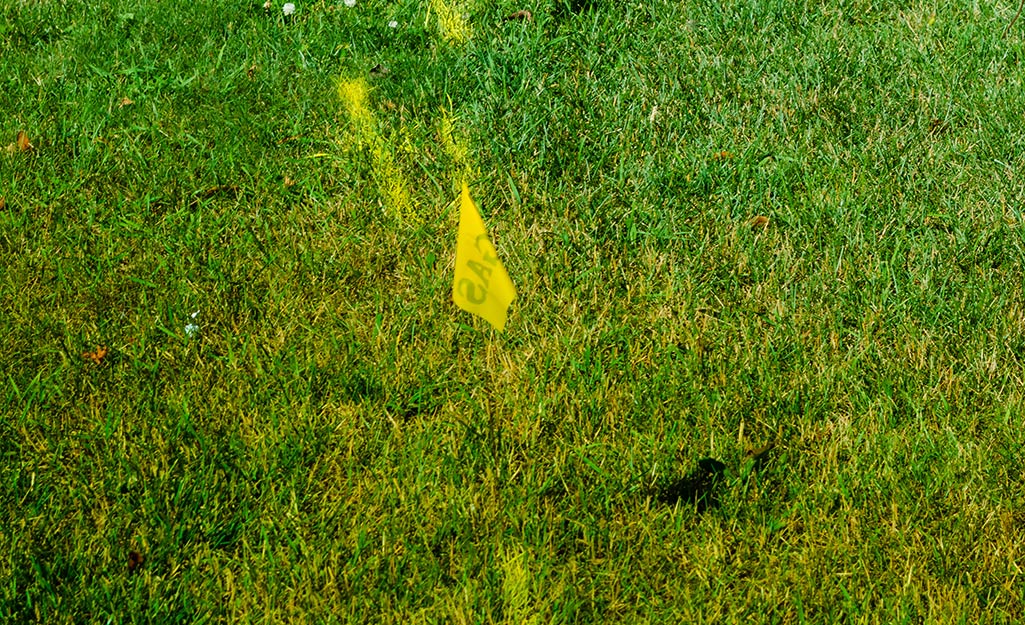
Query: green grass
x=339 y=443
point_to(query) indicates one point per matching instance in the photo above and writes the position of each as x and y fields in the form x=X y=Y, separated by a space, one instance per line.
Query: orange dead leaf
x=3 y=202
x=722 y=156
x=97 y=355
x=521 y=15
x=759 y=222
x=22 y=142
x=125 y=101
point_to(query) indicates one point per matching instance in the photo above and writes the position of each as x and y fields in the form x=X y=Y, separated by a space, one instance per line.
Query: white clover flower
x=191 y=329
x=288 y=8
x=349 y=3
x=393 y=24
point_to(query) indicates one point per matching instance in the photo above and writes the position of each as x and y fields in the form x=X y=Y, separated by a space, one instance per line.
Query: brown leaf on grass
x=134 y=561
x=97 y=355
x=723 y=155
x=760 y=455
x=125 y=101
x=758 y=222
x=22 y=142
x=520 y=15
x=289 y=181
x=3 y=202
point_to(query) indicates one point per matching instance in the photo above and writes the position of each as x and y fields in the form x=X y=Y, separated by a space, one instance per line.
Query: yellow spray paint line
x=455 y=147
x=390 y=181
x=453 y=28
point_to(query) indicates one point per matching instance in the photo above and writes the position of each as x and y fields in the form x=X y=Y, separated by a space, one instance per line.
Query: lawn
x=765 y=364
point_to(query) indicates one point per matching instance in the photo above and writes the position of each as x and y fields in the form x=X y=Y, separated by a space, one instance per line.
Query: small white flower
x=349 y=3
x=393 y=24
x=191 y=329
x=288 y=8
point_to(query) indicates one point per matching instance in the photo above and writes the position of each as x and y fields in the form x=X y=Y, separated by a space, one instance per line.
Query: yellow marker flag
x=481 y=286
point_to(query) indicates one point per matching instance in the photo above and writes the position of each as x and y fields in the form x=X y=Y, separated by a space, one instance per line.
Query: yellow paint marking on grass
x=453 y=27
x=353 y=94
x=455 y=147
x=390 y=181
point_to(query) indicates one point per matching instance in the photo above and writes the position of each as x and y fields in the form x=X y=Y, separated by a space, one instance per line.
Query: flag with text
x=481 y=286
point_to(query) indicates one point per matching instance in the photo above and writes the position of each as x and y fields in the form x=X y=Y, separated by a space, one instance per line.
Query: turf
x=780 y=239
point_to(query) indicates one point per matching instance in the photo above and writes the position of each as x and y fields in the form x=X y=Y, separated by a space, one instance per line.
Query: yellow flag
x=481 y=286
